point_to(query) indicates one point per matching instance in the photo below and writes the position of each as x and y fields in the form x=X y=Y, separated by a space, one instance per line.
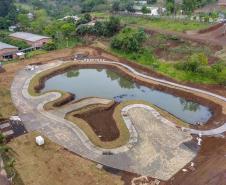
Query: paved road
x=71 y=137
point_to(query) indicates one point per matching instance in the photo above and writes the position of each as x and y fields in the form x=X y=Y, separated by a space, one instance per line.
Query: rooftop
x=6 y=46
x=28 y=36
x=221 y=2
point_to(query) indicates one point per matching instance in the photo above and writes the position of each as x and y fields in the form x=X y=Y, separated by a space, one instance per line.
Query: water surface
x=108 y=84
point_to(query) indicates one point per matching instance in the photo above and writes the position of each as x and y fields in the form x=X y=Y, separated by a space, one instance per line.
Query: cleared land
x=158 y=23
x=51 y=164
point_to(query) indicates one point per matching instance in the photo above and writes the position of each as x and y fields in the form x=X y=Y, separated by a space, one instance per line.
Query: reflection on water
x=189 y=105
x=108 y=84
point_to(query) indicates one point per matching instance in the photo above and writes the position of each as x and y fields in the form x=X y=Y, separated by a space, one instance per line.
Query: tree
x=84 y=19
x=129 y=40
x=112 y=26
x=129 y=7
x=189 y=5
x=115 y=6
x=40 y=22
x=24 y=21
x=4 y=23
x=7 y=13
x=145 y=10
x=50 y=46
x=83 y=30
x=68 y=29
x=6 y=6
x=170 y=6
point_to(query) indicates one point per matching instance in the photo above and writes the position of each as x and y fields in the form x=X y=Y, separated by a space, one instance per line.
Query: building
x=34 y=40
x=30 y=16
x=140 y=2
x=73 y=17
x=7 y=51
x=12 y=28
x=221 y=3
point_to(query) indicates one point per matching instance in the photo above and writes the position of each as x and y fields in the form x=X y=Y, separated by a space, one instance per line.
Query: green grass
x=70 y=43
x=157 y=23
x=166 y=68
x=34 y=53
x=165 y=24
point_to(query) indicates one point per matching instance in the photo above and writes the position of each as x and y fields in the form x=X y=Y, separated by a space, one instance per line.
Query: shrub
x=129 y=40
x=194 y=63
x=50 y=46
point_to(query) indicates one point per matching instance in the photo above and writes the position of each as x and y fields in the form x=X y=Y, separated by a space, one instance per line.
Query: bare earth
x=52 y=165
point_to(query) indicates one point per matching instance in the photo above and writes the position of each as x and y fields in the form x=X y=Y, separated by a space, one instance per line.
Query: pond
x=109 y=84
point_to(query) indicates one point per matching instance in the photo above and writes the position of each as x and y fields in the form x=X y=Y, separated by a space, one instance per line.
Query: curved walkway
x=168 y=82
x=127 y=157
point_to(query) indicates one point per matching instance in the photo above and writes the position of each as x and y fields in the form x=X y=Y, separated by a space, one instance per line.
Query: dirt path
x=212 y=36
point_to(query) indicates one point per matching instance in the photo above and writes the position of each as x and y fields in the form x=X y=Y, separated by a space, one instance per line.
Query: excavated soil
x=102 y=122
x=172 y=49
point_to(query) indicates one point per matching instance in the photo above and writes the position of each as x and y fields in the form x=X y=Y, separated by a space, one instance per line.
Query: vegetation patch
x=171 y=69
x=157 y=23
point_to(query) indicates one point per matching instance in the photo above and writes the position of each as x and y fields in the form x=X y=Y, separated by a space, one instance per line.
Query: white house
x=74 y=17
x=140 y=2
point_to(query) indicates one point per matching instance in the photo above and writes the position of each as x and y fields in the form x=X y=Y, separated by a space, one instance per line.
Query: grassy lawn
x=53 y=165
x=157 y=23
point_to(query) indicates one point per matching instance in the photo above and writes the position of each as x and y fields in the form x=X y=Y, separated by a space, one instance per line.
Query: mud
x=102 y=122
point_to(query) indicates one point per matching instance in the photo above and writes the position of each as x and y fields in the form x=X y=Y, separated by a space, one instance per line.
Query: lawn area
x=53 y=165
x=157 y=23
